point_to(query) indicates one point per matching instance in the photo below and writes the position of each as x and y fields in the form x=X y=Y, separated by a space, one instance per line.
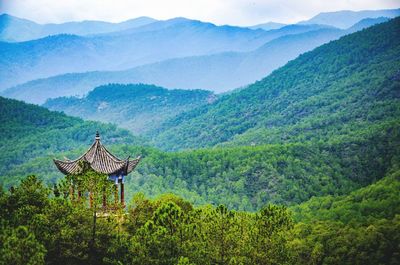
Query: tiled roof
x=100 y=160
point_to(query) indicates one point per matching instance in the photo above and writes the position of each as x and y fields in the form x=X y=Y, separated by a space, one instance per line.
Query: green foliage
x=138 y=107
x=338 y=89
x=366 y=205
x=169 y=230
x=332 y=242
x=30 y=136
x=359 y=228
x=20 y=247
x=334 y=144
x=166 y=230
x=246 y=178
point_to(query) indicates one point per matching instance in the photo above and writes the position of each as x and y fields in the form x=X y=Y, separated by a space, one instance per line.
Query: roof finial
x=97 y=135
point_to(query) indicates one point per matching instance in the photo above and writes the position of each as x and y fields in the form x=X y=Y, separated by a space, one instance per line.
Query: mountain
x=327 y=121
x=151 y=43
x=339 y=88
x=229 y=70
x=268 y=26
x=33 y=135
x=240 y=177
x=320 y=136
x=368 y=22
x=345 y=19
x=14 y=29
x=139 y=108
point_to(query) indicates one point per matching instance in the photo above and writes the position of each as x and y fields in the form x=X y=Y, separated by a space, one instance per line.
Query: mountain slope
x=157 y=41
x=240 y=177
x=346 y=18
x=14 y=29
x=34 y=135
x=70 y=53
x=376 y=201
x=229 y=69
x=139 y=108
x=338 y=88
x=361 y=227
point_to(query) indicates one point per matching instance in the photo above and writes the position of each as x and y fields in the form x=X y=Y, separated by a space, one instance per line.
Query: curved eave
x=67 y=167
x=72 y=167
x=132 y=165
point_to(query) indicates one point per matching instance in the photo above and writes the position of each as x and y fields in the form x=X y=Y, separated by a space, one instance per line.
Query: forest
x=302 y=167
x=43 y=225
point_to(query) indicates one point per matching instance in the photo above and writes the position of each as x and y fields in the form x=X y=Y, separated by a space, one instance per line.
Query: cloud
x=236 y=12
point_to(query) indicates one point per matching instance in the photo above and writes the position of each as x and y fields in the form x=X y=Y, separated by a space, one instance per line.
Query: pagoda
x=98 y=158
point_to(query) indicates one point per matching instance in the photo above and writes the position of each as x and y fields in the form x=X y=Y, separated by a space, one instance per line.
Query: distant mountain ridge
x=268 y=26
x=175 y=53
x=158 y=41
x=229 y=69
x=346 y=18
x=14 y=29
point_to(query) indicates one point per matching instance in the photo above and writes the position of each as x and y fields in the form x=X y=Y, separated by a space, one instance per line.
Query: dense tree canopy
x=323 y=139
x=40 y=226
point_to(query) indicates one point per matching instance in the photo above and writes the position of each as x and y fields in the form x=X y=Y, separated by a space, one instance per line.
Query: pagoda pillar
x=122 y=194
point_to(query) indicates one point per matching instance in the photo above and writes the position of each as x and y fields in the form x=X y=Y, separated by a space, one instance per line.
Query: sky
x=233 y=12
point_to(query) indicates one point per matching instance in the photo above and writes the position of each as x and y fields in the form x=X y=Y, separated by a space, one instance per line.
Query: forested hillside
x=139 y=108
x=331 y=134
x=362 y=227
x=32 y=135
x=366 y=205
x=340 y=88
x=240 y=177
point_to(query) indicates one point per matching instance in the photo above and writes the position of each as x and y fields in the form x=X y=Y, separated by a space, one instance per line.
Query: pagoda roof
x=99 y=159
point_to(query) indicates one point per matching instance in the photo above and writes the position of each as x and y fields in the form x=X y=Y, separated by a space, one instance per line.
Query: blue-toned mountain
x=346 y=18
x=14 y=29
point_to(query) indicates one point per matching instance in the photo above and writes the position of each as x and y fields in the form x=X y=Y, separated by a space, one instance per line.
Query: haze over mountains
x=177 y=53
x=14 y=29
x=217 y=72
x=345 y=19
x=148 y=44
